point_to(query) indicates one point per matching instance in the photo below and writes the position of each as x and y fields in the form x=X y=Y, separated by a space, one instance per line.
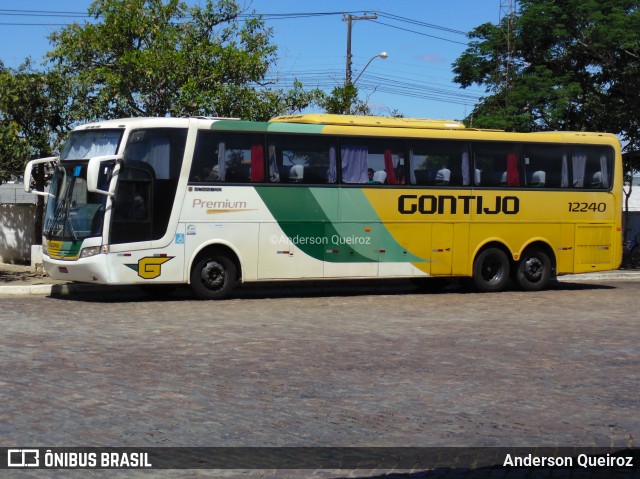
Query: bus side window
x=545 y=166
x=439 y=163
x=301 y=159
x=498 y=164
x=373 y=161
x=228 y=158
x=591 y=167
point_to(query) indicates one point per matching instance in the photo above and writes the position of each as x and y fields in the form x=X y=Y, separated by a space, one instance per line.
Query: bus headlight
x=45 y=247
x=91 y=251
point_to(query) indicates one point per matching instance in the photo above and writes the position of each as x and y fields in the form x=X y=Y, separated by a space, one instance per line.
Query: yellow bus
x=214 y=203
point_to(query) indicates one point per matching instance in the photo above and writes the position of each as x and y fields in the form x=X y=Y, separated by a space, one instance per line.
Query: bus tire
x=533 y=270
x=213 y=276
x=491 y=270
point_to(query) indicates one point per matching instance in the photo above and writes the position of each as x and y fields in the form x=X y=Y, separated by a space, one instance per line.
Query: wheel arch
x=215 y=247
x=491 y=243
x=544 y=246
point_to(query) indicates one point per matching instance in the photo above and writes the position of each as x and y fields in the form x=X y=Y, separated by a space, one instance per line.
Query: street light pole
x=383 y=55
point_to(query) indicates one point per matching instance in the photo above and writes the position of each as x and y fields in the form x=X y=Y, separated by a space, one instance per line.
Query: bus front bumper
x=93 y=269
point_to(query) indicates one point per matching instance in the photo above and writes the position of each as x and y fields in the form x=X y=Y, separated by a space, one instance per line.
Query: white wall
x=16 y=232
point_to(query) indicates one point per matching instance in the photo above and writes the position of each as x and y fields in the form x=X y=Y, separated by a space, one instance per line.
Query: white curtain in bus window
x=354 y=164
x=332 y=173
x=604 y=172
x=274 y=173
x=564 y=180
x=412 y=168
x=97 y=144
x=466 y=180
x=578 y=164
x=222 y=161
x=157 y=155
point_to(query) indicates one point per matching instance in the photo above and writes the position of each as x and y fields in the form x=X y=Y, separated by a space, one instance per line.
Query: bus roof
x=369 y=121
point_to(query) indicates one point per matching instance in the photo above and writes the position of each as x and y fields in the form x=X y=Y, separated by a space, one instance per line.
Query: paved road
x=324 y=366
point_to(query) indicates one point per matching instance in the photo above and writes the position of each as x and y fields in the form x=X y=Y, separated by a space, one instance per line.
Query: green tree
x=567 y=65
x=13 y=150
x=343 y=100
x=158 y=58
x=32 y=123
x=574 y=65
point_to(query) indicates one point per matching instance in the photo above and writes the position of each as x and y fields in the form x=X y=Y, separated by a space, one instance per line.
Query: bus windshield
x=72 y=212
x=85 y=144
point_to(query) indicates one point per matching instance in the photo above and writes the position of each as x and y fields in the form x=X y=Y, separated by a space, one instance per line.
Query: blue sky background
x=415 y=79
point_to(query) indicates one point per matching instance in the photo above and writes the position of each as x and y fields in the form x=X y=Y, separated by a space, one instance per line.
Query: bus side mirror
x=95 y=170
x=29 y=169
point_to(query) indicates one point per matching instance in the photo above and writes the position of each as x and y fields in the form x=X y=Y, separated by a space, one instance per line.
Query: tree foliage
x=575 y=65
x=32 y=116
x=343 y=100
x=158 y=58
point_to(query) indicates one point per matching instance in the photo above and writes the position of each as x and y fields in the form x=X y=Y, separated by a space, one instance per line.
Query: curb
x=26 y=289
x=63 y=289
x=616 y=276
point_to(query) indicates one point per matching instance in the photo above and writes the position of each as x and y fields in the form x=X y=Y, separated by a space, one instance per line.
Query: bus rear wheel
x=533 y=271
x=213 y=276
x=491 y=270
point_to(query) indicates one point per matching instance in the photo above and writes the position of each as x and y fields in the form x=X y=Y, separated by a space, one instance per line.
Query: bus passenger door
x=441 y=248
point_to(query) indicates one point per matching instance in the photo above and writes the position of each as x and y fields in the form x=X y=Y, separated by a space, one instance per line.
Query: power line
x=418 y=33
x=419 y=23
x=405 y=85
x=266 y=16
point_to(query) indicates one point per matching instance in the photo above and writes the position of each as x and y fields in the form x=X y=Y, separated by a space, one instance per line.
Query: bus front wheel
x=213 y=277
x=533 y=271
x=491 y=270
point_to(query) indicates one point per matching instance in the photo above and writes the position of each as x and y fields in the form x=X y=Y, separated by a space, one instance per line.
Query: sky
x=421 y=37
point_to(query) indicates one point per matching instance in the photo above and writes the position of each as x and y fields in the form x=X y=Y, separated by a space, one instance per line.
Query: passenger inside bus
x=379 y=177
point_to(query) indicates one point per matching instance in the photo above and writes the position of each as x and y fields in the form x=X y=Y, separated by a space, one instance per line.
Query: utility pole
x=508 y=10
x=350 y=19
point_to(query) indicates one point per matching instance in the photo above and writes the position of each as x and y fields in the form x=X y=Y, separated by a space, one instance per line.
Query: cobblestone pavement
x=367 y=364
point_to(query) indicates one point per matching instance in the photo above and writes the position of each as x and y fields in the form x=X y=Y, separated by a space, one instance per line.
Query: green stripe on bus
x=294 y=128
x=262 y=127
x=236 y=125
x=308 y=216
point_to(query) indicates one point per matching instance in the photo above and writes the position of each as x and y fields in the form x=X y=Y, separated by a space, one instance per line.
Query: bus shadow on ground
x=298 y=289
